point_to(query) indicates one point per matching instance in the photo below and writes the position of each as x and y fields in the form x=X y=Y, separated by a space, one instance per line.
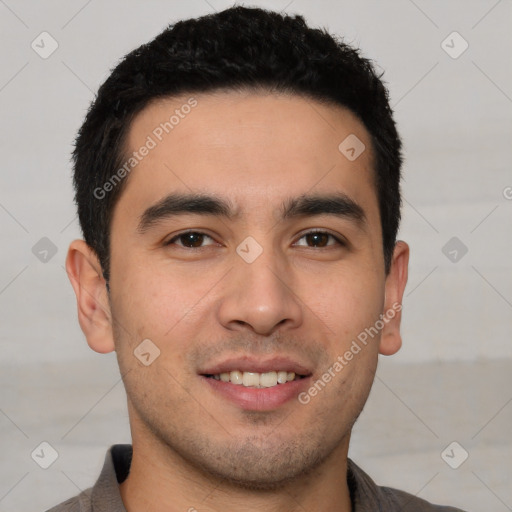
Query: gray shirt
x=366 y=496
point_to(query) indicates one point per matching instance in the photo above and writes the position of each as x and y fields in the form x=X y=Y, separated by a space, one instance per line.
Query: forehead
x=253 y=148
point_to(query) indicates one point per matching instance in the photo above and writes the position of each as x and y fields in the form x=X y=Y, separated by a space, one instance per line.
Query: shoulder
x=104 y=495
x=406 y=502
x=80 y=503
x=366 y=495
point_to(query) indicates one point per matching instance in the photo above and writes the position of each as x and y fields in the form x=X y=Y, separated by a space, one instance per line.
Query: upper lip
x=257 y=365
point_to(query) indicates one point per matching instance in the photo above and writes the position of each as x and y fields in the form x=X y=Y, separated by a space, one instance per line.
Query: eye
x=190 y=240
x=319 y=239
x=197 y=240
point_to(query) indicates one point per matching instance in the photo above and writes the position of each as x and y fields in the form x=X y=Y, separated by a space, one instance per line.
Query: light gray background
x=452 y=379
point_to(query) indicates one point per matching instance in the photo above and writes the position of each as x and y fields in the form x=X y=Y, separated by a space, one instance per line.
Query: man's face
x=247 y=291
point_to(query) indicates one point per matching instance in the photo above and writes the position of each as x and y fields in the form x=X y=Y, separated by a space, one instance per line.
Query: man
x=237 y=182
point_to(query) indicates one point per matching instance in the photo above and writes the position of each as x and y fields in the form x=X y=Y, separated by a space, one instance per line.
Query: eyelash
x=338 y=240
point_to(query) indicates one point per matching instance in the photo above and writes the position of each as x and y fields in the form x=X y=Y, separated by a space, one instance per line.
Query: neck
x=160 y=480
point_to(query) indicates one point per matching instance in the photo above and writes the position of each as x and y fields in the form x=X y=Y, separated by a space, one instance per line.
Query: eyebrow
x=337 y=204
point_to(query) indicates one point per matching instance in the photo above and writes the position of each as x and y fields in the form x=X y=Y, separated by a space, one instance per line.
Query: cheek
x=347 y=301
x=161 y=302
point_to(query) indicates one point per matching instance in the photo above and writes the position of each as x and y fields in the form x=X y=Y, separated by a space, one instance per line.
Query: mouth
x=256 y=379
x=256 y=385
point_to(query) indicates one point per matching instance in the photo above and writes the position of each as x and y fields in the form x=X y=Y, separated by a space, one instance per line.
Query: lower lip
x=258 y=399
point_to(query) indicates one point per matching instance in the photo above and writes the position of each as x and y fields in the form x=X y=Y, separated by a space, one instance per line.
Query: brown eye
x=319 y=239
x=189 y=240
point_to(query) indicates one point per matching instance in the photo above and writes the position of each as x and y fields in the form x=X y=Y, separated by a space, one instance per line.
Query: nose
x=260 y=296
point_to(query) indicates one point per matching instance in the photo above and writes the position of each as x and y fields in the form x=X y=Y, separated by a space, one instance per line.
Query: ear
x=94 y=315
x=391 y=340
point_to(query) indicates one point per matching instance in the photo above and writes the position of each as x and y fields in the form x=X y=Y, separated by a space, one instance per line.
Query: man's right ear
x=94 y=314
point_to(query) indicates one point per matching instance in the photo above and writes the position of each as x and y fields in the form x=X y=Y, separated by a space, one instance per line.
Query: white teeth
x=251 y=379
x=256 y=380
x=236 y=377
x=268 y=380
x=282 y=377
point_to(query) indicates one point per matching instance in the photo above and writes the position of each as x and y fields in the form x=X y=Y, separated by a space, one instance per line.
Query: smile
x=255 y=379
